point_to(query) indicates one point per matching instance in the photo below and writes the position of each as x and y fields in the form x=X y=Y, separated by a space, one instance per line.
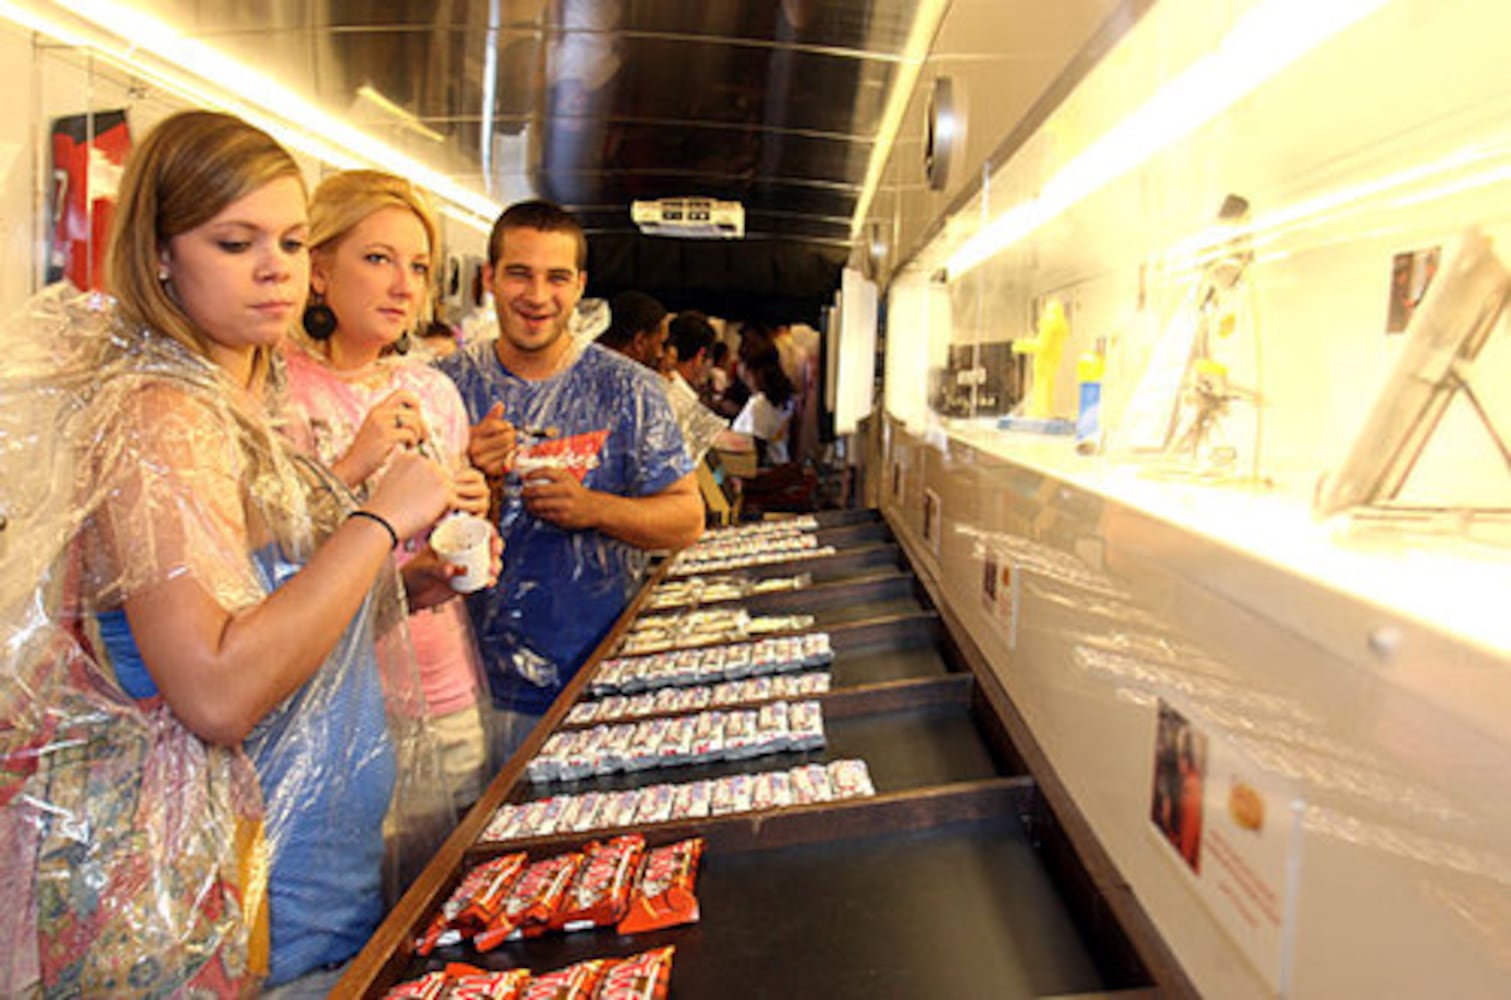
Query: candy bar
x=618 y=808
x=645 y=744
x=545 y=765
x=770 y=790
x=666 y=700
x=646 y=976
x=731 y=794
x=655 y=805
x=431 y=986
x=542 y=822
x=691 y=800
x=810 y=784
x=600 y=891
x=468 y=983
x=816 y=649
x=815 y=683
x=470 y=885
x=498 y=878
x=585 y=816
x=503 y=824
x=805 y=724
x=850 y=779
x=677 y=744
x=664 y=896
x=772 y=735
x=740 y=737
x=582 y=713
x=708 y=736
x=575 y=982
x=534 y=898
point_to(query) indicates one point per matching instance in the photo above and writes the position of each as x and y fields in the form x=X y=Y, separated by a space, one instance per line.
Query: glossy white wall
x=1365 y=668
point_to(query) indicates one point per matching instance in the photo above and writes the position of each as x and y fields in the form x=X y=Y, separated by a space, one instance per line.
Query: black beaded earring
x=319 y=321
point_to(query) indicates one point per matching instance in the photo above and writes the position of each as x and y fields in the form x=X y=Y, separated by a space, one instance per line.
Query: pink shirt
x=327 y=408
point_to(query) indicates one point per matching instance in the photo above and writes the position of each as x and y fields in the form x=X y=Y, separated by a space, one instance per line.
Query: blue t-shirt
x=606 y=418
x=327 y=772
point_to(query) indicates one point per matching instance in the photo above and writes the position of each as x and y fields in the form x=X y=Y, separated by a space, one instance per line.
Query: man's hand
x=556 y=496
x=469 y=492
x=492 y=444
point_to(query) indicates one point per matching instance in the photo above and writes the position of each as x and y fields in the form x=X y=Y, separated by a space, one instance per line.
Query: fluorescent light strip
x=1264 y=41
x=1465 y=169
x=920 y=38
x=215 y=79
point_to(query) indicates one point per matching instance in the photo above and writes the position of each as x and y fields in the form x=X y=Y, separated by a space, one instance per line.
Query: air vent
x=690 y=218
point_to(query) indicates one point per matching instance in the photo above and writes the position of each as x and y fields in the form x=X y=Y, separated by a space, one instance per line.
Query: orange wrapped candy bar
x=470 y=983
x=664 y=895
x=472 y=883
x=575 y=982
x=491 y=894
x=431 y=986
x=600 y=893
x=532 y=902
x=645 y=976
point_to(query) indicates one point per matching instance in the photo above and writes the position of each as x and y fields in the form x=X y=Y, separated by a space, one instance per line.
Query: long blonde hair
x=343 y=200
x=187 y=170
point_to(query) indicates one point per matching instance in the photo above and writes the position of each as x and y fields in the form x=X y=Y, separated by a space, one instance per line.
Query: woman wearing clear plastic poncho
x=197 y=765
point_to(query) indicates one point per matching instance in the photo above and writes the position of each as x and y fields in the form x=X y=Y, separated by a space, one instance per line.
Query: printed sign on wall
x=88 y=156
x=1234 y=831
x=999 y=593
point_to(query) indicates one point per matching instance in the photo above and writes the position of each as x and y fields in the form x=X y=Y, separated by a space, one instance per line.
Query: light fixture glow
x=202 y=75
x=405 y=119
x=920 y=38
x=1262 y=43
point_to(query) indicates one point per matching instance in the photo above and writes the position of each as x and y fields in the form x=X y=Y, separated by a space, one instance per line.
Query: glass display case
x=1288 y=523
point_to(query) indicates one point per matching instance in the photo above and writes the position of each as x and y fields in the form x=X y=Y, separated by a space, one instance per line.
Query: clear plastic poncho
x=137 y=859
x=701 y=426
x=607 y=421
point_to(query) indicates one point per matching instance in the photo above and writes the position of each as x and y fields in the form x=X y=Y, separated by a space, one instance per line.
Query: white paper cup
x=462 y=540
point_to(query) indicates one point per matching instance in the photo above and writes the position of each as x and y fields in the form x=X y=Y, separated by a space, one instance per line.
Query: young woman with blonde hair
x=358 y=401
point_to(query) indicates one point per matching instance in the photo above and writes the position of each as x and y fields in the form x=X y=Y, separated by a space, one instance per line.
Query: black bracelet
x=377 y=519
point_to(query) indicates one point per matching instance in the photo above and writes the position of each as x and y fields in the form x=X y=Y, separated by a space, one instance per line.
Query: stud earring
x=318 y=320
x=163 y=276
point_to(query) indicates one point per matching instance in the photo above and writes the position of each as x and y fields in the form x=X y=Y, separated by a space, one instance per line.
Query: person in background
x=717 y=379
x=637 y=328
x=357 y=402
x=219 y=811
x=589 y=464
x=689 y=338
x=767 y=415
x=690 y=333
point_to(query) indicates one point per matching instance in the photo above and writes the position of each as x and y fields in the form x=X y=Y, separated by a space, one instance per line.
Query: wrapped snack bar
x=599 y=895
x=646 y=976
x=664 y=896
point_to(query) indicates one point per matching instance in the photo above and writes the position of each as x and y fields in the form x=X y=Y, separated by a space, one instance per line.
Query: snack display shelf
x=955 y=879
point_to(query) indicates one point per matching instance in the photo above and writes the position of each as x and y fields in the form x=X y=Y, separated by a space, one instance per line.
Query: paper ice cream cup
x=462 y=540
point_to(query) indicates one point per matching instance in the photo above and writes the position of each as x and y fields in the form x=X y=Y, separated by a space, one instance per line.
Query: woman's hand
x=396 y=422
x=427 y=577
x=469 y=491
x=412 y=494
